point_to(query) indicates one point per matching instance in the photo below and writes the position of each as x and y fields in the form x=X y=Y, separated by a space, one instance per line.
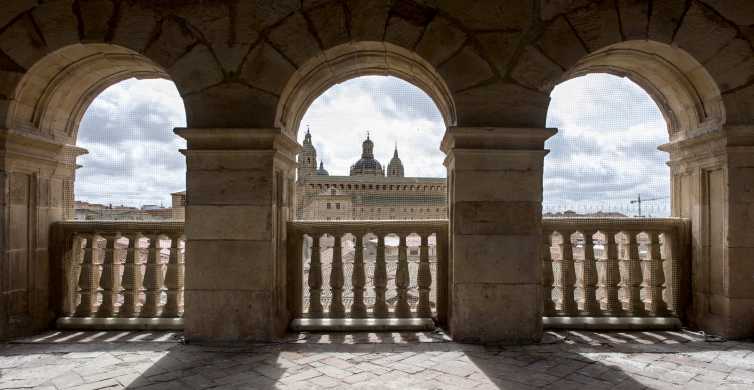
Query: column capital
x=495 y=138
x=238 y=139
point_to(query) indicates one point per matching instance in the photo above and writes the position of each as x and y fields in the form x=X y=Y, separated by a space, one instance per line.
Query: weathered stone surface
x=502 y=217
x=229 y=222
x=245 y=265
x=196 y=70
x=135 y=27
x=225 y=315
x=402 y=32
x=225 y=187
x=254 y=16
x=217 y=106
x=739 y=12
x=489 y=14
x=597 y=24
x=703 y=33
x=739 y=105
x=634 y=18
x=500 y=46
x=536 y=71
x=465 y=69
x=733 y=65
x=173 y=41
x=266 y=69
x=514 y=321
x=503 y=258
x=293 y=38
x=212 y=23
x=368 y=19
x=666 y=15
x=57 y=23
x=330 y=23
x=561 y=43
x=95 y=17
x=503 y=104
x=551 y=9
x=21 y=42
x=12 y=8
x=440 y=40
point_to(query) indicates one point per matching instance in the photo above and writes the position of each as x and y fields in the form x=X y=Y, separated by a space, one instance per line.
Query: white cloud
x=133 y=153
x=391 y=110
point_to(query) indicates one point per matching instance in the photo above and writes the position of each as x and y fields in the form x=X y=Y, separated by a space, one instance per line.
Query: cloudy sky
x=604 y=154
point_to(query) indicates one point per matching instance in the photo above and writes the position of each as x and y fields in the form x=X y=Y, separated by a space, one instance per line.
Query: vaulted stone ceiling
x=499 y=58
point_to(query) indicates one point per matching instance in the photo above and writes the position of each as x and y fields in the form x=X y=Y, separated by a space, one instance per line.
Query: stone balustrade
x=120 y=275
x=613 y=272
x=368 y=269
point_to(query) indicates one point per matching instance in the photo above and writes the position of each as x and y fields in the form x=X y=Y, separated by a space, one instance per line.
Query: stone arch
x=685 y=92
x=352 y=60
x=54 y=93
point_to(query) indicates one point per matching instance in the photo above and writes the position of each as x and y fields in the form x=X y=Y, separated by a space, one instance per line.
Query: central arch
x=351 y=60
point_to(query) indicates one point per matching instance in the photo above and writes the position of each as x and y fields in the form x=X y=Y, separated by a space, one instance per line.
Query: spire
x=308 y=136
x=395 y=168
x=395 y=153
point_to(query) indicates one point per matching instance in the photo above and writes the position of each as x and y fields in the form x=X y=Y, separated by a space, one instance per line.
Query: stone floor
x=564 y=360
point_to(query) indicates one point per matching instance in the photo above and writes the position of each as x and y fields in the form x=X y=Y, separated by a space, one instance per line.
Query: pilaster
x=495 y=200
x=238 y=189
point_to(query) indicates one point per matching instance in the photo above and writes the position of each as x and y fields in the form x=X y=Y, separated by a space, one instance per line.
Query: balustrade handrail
x=617 y=224
x=369 y=226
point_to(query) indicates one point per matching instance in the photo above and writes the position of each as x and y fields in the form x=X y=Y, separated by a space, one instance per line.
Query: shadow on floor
x=425 y=360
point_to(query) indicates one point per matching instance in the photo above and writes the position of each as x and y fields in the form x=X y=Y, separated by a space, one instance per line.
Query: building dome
x=321 y=171
x=367 y=165
x=395 y=168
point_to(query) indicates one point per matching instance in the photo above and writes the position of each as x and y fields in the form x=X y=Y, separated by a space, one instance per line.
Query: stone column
x=36 y=176
x=713 y=185
x=237 y=190
x=495 y=198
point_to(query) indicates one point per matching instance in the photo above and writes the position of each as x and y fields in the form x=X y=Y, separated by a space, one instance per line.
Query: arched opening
x=133 y=168
x=370 y=153
x=604 y=161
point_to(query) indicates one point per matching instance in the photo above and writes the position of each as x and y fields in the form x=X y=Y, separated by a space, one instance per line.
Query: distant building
x=85 y=211
x=369 y=191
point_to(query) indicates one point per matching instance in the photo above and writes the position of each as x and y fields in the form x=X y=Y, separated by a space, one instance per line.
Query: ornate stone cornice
x=495 y=138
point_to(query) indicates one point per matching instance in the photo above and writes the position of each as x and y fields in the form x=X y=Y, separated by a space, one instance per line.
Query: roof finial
x=307 y=129
x=396 y=149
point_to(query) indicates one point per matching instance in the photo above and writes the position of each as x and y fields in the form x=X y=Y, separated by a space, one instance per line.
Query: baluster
x=670 y=251
x=358 y=278
x=567 y=277
x=424 y=278
x=132 y=278
x=153 y=279
x=174 y=278
x=589 y=277
x=88 y=279
x=402 y=309
x=655 y=277
x=337 y=309
x=611 y=272
x=635 y=304
x=380 y=279
x=110 y=280
x=315 y=279
x=74 y=272
x=547 y=275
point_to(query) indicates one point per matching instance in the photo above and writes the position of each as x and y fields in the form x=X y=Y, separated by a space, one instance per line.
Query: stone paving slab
x=425 y=360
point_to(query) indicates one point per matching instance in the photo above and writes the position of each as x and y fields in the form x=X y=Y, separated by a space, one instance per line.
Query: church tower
x=395 y=168
x=307 y=160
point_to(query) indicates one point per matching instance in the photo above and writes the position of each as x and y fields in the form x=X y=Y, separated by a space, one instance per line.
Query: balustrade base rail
x=94 y=323
x=362 y=324
x=612 y=323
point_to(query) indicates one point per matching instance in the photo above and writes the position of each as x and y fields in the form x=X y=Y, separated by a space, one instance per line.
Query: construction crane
x=639 y=200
